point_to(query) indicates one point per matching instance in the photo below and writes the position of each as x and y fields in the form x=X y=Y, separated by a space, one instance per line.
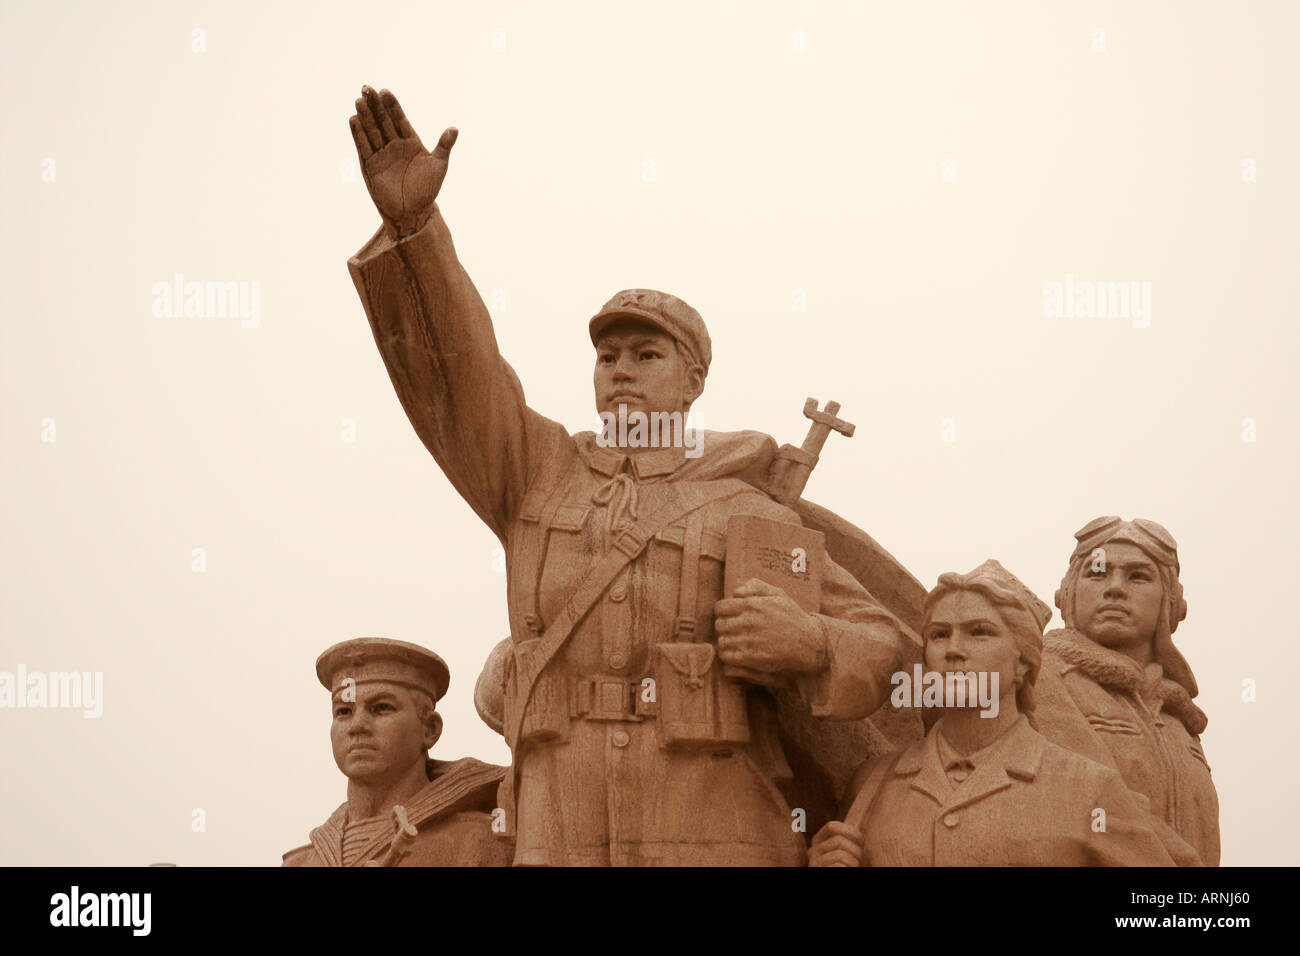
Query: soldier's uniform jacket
x=1027 y=802
x=605 y=774
x=452 y=815
x=1101 y=704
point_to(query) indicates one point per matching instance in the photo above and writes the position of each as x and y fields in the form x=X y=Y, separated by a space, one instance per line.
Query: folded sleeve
x=865 y=645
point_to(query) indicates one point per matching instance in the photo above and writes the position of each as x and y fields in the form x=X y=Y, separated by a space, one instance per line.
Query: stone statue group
x=703 y=668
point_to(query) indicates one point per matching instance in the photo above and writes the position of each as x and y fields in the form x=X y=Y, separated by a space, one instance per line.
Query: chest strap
x=626 y=547
x=680 y=501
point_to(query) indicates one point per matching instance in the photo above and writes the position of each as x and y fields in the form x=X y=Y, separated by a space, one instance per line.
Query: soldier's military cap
x=662 y=310
x=381 y=659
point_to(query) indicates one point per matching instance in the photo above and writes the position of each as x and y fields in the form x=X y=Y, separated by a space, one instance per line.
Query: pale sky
x=866 y=203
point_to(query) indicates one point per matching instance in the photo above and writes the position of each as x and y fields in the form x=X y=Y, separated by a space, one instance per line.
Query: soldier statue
x=638 y=698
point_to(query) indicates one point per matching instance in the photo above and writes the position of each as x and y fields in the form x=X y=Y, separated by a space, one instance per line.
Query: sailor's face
x=1117 y=596
x=640 y=367
x=379 y=736
x=965 y=632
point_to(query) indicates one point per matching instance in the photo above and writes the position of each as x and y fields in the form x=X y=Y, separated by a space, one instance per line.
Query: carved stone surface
x=1114 y=687
x=403 y=808
x=988 y=789
x=630 y=742
x=699 y=658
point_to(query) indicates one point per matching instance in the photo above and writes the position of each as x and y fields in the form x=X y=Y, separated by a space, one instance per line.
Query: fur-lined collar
x=1116 y=671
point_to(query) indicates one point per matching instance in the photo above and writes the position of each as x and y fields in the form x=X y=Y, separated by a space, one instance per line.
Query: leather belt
x=610 y=698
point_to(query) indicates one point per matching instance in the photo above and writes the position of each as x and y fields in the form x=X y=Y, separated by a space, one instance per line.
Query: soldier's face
x=1117 y=597
x=379 y=736
x=640 y=367
x=965 y=633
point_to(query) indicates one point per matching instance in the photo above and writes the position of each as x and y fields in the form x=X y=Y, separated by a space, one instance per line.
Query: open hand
x=403 y=177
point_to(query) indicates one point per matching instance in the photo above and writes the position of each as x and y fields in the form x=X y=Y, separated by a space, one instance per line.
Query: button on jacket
x=598 y=783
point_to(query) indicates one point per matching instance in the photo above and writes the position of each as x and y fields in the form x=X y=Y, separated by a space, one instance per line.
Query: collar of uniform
x=609 y=461
x=1016 y=753
x=655 y=464
x=465 y=784
x=1119 y=673
x=328 y=838
x=1110 y=668
x=948 y=755
x=1019 y=749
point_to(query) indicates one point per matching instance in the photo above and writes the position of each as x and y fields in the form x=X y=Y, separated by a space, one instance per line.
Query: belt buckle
x=607 y=698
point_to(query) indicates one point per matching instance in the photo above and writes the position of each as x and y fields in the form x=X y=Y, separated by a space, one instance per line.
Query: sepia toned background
x=864 y=201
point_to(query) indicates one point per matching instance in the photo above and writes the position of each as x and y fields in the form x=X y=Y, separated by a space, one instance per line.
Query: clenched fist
x=402 y=176
x=836 y=844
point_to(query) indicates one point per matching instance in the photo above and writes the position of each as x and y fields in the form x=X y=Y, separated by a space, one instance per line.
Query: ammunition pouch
x=698 y=706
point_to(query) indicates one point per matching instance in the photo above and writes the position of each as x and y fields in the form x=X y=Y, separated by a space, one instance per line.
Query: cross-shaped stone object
x=822 y=424
x=793 y=465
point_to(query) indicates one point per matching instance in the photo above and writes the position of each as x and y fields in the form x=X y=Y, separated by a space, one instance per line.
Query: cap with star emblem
x=660 y=309
x=381 y=659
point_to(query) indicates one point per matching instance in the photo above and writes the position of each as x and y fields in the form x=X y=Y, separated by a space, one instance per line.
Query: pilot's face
x=1117 y=596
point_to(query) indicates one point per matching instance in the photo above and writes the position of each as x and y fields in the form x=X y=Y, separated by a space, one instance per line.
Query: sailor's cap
x=365 y=659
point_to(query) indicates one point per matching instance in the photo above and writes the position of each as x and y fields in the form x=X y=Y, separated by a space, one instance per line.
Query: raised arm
x=432 y=328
